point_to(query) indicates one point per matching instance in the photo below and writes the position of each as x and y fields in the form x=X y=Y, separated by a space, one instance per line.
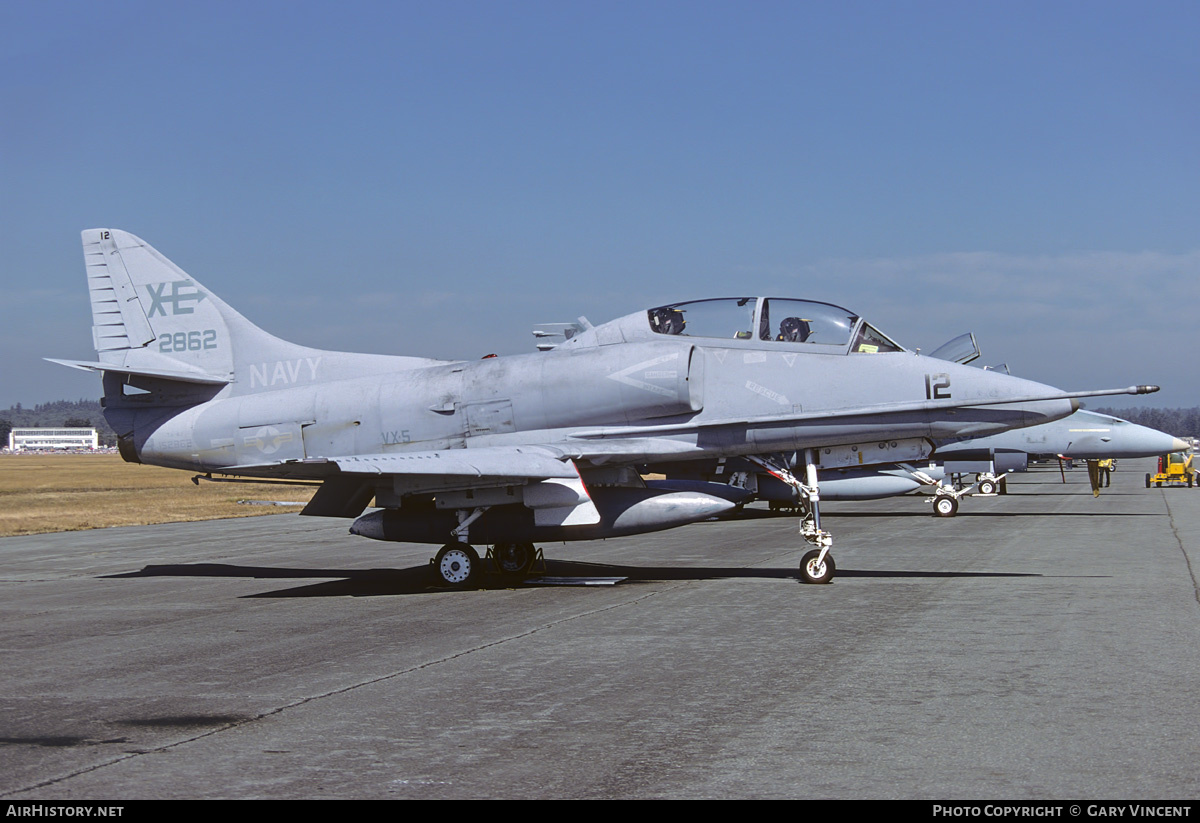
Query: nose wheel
x=945 y=506
x=817 y=565
x=817 y=569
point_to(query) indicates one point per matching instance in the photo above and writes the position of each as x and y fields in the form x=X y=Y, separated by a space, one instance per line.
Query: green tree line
x=1179 y=422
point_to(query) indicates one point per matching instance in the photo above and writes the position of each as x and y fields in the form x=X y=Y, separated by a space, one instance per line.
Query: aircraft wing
x=502 y=464
x=349 y=482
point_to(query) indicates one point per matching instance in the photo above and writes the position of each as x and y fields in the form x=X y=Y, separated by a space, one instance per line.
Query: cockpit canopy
x=825 y=326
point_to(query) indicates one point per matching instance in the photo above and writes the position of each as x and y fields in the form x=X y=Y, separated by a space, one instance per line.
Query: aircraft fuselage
x=743 y=398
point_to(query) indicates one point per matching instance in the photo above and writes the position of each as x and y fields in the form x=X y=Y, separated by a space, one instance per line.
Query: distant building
x=81 y=438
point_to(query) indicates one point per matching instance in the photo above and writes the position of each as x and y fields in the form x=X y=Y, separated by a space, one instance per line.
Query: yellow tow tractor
x=1173 y=468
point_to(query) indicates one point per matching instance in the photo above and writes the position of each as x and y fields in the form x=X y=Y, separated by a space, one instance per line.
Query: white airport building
x=64 y=438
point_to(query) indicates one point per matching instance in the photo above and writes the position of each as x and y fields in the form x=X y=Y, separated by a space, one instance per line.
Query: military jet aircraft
x=544 y=446
x=1084 y=434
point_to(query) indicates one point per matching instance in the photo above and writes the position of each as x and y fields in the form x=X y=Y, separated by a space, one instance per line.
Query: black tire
x=945 y=506
x=811 y=572
x=987 y=487
x=457 y=564
x=513 y=558
x=1147 y=481
x=1003 y=485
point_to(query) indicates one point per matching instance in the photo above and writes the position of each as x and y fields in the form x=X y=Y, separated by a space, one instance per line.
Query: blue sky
x=436 y=178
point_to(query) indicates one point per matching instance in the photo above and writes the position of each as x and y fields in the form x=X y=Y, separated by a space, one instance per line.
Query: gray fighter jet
x=1084 y=434
x=512 y=450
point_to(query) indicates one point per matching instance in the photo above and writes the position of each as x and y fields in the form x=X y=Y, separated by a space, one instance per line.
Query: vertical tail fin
x=152 y=321
x=149 y=315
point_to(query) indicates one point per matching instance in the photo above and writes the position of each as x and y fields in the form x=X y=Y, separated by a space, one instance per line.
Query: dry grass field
x=68 y=492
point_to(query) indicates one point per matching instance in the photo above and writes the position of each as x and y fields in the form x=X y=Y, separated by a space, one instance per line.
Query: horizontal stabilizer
x=162 y=374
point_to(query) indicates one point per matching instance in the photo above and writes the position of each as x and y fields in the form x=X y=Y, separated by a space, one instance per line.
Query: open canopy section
x=777 y=320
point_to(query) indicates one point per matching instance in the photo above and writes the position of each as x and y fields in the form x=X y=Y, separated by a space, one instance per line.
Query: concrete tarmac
x=1040 y=645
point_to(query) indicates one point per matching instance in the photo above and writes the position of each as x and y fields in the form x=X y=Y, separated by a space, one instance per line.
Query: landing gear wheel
x=945 y=506
x=813 y=572
x=513 y=558
x=987 y=487
x=456 y=564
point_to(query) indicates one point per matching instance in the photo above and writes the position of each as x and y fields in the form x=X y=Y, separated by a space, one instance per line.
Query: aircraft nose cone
x=1141 y=441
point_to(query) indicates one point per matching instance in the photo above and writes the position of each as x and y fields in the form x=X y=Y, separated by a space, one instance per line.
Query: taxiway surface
x=1044 y=644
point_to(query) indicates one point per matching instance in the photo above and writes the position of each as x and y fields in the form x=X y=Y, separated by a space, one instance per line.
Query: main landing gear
x=816 y=566
x=515 y=559
x=458 y=564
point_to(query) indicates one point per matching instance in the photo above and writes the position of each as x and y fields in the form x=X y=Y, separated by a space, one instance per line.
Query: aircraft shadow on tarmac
x=1060 y=491
x=421 y=580
x=969 y=514
x=834 y=513
x=763 y=514
x=181 y=721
